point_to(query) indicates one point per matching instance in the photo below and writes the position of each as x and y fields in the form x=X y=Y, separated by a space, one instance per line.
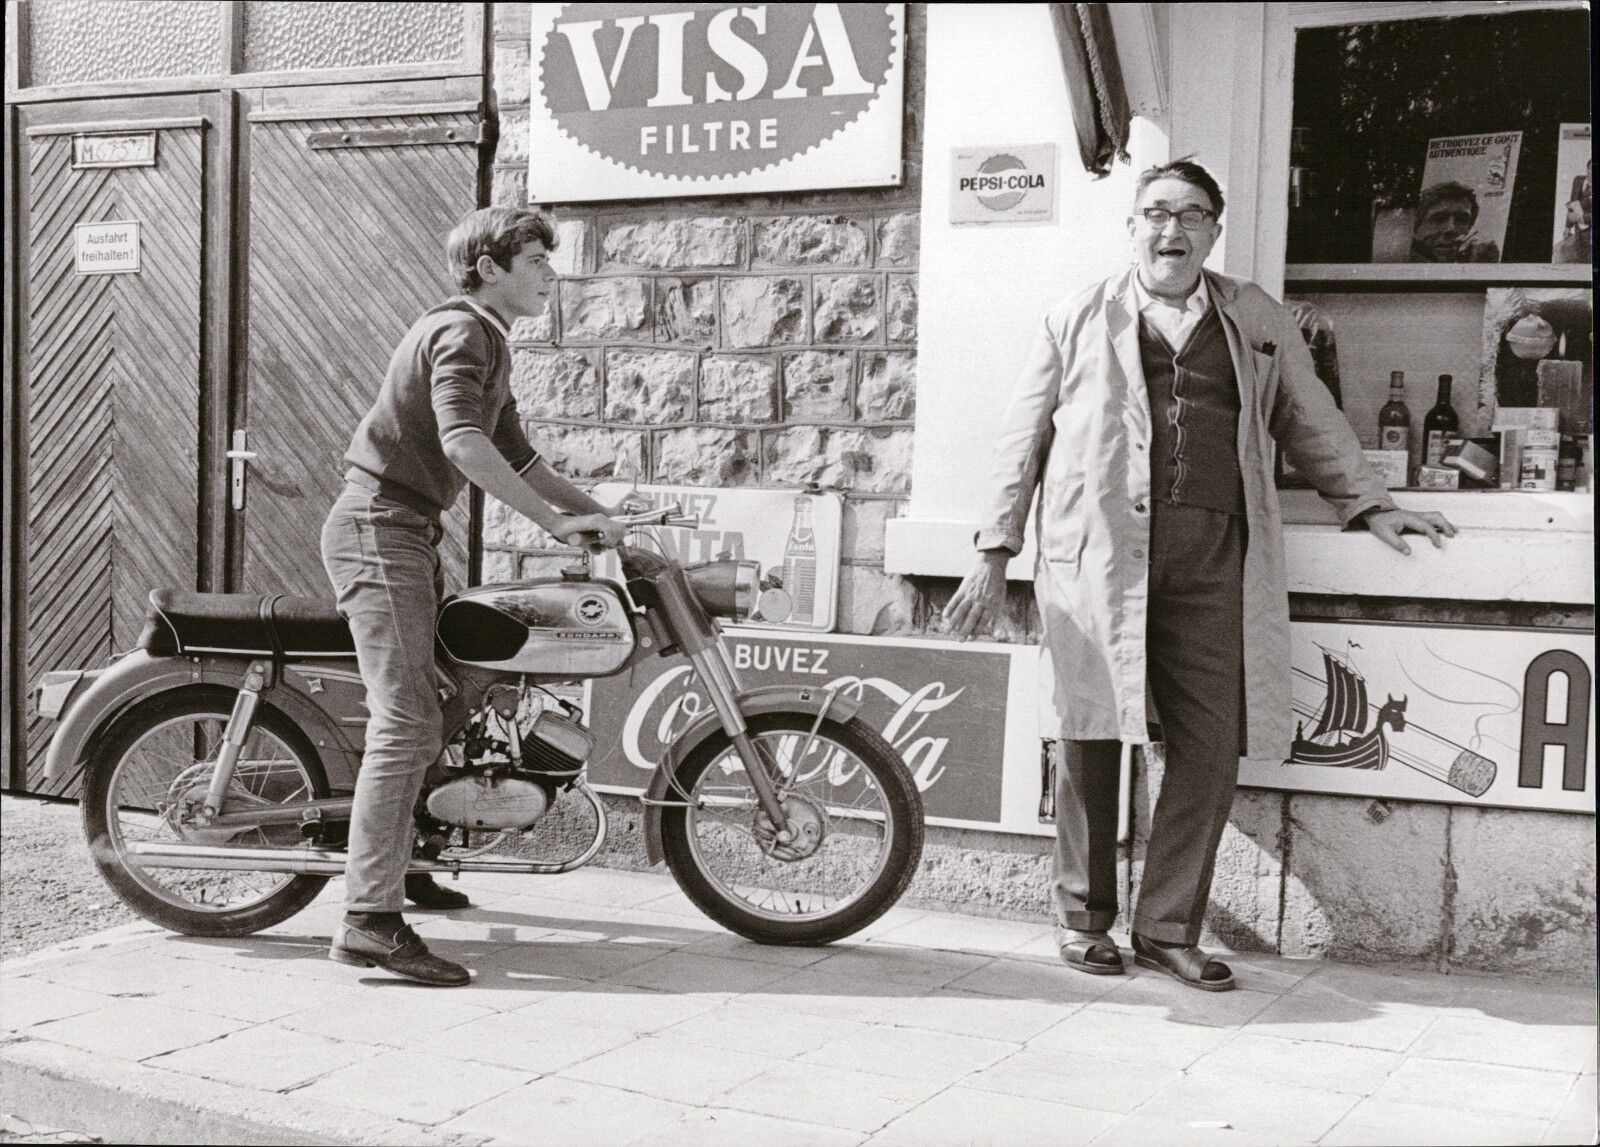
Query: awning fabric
x=1094 y=84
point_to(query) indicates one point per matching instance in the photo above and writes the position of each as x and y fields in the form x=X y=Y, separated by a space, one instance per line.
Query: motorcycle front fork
x=722 y=686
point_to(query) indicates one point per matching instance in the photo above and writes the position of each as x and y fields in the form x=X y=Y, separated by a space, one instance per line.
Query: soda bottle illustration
x=800 y=565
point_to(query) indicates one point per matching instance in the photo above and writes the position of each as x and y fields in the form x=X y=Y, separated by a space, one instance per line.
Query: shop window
x=86 y=41
x=298 y=36
x=1387 y=113
x=1439 y=214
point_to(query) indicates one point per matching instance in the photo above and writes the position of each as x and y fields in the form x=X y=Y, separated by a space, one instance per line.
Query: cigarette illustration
x=1349 y=732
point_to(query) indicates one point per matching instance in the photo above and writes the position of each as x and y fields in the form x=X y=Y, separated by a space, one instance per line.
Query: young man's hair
x=1187 y=170
x=1450 y=192
x=498 y=232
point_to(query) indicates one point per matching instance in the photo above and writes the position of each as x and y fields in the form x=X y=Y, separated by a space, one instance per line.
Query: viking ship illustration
x=1341 y=739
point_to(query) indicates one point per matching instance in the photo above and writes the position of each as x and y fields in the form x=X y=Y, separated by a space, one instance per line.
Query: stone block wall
x=737 y=341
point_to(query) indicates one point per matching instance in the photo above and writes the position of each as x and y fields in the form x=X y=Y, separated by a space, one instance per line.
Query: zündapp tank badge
x=697 y=91
x=591 y=610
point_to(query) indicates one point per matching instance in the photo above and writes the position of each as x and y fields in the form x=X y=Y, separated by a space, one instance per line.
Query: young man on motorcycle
x=445 y=416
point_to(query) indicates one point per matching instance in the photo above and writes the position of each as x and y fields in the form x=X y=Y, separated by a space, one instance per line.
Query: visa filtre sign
x=639 y=101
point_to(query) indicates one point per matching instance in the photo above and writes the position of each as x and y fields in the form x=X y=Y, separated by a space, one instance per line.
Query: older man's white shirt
x=1175 y=324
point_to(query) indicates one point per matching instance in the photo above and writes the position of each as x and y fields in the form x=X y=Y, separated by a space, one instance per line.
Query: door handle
x=239 y=458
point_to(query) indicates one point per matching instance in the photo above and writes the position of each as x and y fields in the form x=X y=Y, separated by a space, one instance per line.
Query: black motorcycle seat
x=269 y=625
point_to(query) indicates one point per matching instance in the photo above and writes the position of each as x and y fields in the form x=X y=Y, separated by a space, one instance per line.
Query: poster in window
x=1574 y=214
x=1538 y=350
x=1462 y=205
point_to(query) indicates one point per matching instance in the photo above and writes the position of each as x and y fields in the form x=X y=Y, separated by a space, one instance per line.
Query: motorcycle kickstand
x=233 y=737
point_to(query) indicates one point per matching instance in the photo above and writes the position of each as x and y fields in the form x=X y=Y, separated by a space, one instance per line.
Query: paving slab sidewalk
x=605 y=1009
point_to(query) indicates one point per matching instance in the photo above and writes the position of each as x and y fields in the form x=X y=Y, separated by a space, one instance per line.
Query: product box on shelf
x=1391 y=466
x=1537 y=464
x=1526 y=418
x=1438 y=478
x=1474 y=460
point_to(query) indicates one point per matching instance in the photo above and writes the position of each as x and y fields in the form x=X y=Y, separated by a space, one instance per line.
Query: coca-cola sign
x=942 y=708
x=691 y=99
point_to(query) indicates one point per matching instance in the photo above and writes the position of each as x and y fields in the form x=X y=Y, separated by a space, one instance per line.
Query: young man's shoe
x=426 y=892
x=384 y=940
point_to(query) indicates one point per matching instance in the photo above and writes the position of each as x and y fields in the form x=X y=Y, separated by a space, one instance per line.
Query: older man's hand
x=1388 y=525
x=980 y=601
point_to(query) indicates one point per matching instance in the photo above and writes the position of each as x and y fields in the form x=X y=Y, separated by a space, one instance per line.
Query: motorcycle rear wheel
x=164 y=743
x=851 y=784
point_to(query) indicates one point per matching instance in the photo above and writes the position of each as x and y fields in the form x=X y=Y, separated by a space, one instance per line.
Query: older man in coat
x=1146 y=416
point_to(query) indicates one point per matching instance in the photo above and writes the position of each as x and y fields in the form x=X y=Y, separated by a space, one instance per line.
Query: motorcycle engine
x=516 y=758
x=488 y=802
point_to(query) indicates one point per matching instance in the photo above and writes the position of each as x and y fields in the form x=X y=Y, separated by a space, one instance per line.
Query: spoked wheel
x=154 y=765
x=853 y=809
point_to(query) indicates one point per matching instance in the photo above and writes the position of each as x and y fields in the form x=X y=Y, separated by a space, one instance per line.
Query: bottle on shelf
x=1394 y=420
x=1439 y=426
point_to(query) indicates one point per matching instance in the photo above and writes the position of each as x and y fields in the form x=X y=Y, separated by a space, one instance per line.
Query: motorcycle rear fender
x=807 y=699
x=138 y=676
x=127 y=681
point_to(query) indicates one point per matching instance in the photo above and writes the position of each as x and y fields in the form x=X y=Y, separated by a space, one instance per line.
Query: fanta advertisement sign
x=793 y=536
x=943 y=709
x=652 y=100
x=1015 y=184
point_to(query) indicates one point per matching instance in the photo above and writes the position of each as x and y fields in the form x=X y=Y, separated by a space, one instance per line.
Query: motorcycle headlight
x=726 y=588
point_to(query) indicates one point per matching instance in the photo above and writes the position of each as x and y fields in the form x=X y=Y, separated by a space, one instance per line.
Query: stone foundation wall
x=771 y=341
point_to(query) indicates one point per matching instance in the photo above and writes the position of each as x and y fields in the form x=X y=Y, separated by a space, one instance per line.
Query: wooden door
x=110 y=386
x=348 y=215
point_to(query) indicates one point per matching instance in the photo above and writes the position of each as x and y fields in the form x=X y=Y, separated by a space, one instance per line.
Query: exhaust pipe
x=314 y=861
x=310 y=861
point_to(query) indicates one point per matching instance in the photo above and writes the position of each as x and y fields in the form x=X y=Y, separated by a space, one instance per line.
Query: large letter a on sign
x=1569 y=731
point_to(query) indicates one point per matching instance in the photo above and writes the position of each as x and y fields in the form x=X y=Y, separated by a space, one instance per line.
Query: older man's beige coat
x=1078 y=429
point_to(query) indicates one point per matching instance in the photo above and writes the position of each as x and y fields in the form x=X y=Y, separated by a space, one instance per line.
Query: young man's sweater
x=450 y=375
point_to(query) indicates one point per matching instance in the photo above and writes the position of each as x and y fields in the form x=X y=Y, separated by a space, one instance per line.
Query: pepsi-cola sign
x=641 y=100
x=1003 y=185
x=943 y=708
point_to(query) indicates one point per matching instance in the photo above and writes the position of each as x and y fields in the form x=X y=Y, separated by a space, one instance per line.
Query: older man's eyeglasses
x=1190 y=218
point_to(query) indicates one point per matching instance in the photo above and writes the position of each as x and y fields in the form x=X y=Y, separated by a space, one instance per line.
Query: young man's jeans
x=383 y=560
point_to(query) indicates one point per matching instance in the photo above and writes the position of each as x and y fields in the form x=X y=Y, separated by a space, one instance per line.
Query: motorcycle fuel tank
x=548 y=628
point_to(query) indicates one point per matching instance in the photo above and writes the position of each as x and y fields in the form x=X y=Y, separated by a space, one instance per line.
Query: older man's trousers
x=1195 y=658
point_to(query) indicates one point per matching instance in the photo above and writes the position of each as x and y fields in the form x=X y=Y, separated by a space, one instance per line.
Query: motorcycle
x=219 y=756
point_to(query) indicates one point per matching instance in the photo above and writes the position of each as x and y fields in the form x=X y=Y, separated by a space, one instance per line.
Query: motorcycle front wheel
x=160 y=755
x=852 y=806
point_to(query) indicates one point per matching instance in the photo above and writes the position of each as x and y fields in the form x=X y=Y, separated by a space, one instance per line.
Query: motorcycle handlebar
x=668 y=515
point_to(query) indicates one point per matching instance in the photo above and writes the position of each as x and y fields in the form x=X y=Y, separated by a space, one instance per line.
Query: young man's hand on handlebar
x=591 y=530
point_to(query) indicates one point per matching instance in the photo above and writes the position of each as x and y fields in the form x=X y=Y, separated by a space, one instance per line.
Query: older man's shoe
x=1187 y=963
x=1092 y=952
x=426 y=892
x=388 y=942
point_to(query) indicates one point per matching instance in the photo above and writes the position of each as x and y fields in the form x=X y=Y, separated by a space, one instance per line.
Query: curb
x=125 y=1102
